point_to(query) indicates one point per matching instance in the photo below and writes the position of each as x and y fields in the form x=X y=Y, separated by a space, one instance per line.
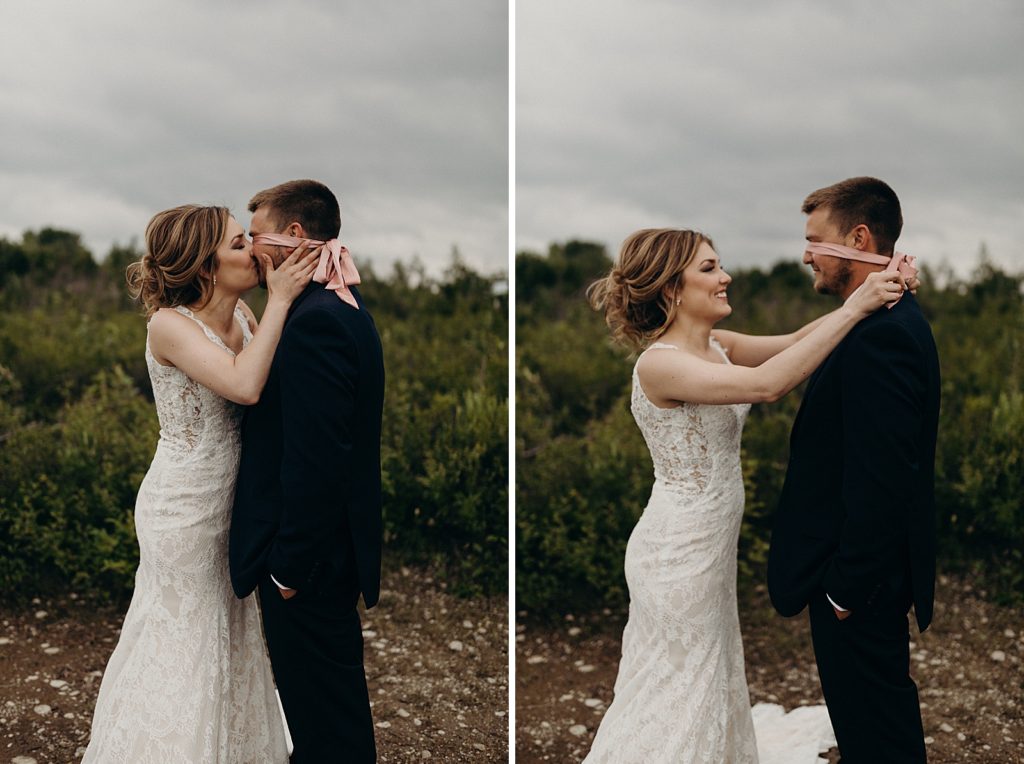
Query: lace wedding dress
x=681 y=692
x=189 y=681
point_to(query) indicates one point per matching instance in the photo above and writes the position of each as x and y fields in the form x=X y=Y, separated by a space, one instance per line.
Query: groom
x=854 y=535
x=306 y=524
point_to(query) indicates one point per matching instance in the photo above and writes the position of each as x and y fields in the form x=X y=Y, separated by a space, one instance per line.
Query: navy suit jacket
x=308 y=500
x=856 y=516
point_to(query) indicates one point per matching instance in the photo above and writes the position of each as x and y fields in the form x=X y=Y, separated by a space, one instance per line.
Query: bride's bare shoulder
x=660 y=361
x=168 y=327
x=164 y=320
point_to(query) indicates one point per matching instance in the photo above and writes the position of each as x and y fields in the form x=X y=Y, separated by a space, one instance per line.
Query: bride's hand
x=879 y=288
x=287 y=281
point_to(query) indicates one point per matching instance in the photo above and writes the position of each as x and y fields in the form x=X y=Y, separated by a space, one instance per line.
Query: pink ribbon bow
x=904 y=264
x=336 y=268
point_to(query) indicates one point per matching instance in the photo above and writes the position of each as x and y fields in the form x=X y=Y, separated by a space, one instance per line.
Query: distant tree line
x=584 y=474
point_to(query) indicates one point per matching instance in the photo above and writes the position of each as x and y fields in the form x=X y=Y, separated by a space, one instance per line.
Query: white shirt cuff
x=837 y=607
x=282 y=586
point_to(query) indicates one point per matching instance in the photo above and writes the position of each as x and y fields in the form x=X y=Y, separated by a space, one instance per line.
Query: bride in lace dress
x=681 y=692
x=189 y=680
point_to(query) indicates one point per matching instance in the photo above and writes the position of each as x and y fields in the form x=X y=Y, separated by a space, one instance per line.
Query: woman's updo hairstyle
x=180 y=259
x=636 y=295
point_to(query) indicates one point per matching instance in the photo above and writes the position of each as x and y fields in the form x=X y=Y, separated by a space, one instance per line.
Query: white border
x=511 y=379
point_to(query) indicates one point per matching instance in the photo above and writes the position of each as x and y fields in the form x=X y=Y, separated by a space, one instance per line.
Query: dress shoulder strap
x=186 y=312
x=718 y=346
x=243 y=321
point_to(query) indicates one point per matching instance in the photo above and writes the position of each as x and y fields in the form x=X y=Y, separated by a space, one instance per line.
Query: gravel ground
x=968 y=668
x=437 y=668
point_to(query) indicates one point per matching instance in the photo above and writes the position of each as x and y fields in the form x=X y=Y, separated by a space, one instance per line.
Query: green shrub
x=445 y=476
x=68 y=492
x=577 y=499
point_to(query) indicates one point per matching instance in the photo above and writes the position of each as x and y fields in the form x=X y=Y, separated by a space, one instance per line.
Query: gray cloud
x=723 y=116
x=113 y=111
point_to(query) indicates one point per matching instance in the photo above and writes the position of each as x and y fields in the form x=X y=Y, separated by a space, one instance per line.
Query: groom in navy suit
x=306 y=524
x=854 y=535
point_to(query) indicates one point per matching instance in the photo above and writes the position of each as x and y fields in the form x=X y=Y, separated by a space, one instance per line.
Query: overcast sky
x=112 y=111
x=724 y=115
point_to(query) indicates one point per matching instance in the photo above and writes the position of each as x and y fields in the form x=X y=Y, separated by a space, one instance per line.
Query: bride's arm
x=755 y=349
x=177 y=340
x=668 y=377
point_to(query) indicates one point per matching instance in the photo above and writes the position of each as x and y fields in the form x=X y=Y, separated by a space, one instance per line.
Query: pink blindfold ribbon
x=900 y=262
x=336 y=268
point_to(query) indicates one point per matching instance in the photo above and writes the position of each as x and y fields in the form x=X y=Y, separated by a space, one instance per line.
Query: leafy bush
x=445 y=484
x=67 y=492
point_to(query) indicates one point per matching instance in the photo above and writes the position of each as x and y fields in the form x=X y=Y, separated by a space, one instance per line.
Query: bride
x=189 y=680
x=681 y=693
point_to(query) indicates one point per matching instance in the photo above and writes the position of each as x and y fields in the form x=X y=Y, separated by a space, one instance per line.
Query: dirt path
x=969 y=667
x=437 y=668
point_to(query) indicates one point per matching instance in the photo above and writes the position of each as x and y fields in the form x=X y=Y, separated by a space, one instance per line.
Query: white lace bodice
x=194 y=421
x=691 y=444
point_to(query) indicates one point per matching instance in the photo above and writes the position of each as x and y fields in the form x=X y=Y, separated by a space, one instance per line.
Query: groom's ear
x=295 y=229
x=860 y=238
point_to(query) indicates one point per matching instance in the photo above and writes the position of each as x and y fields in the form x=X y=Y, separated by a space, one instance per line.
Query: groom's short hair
x=308 y=202
x=854 y=201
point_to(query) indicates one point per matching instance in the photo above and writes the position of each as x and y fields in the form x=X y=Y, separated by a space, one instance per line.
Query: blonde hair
x=636 y=294
x=180 y=259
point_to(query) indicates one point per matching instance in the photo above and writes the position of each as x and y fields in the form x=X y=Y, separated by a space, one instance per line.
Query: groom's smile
x=832 y=275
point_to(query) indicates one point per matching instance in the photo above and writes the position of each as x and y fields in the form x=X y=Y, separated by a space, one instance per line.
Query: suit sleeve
x=883 y=407
x=318 y=373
